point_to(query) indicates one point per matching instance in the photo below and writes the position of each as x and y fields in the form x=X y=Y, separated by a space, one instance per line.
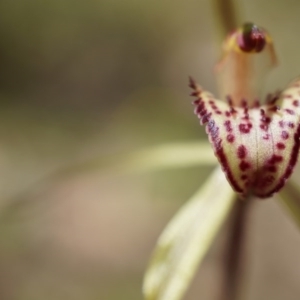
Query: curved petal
x=186 y=239
x=257 y=147
x=164 y=156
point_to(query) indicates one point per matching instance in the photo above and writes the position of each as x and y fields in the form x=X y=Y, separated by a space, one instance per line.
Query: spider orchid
x=256 y=143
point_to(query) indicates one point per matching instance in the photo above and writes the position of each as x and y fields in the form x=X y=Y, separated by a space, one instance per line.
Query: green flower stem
x=235 y=251
x=227 y=16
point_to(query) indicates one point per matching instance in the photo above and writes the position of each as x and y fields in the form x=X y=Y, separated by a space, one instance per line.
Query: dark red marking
x=244 y=177
x=202 y=111
x=289 y=111
x=280 y=146
x=284 y=135
x=281 y=124
x=206 y=118
x=196 y=102
x=273 y=108
x=213 y=131
x=245 y=128
x=296 y=103
x=241 y=152
x=263 y=127
x=291 y=124
x=230 y=138
x=272 y=169
x=218 y=112
x=244 y=165
x=256 y=104
x=232 y=110
x=269 y=179
x=244 y=103
x=266 y=136
x=195 y=94
x=227 y=125
x=227 y=114
x=275 y=159
x=229 y=100
x=291 y=164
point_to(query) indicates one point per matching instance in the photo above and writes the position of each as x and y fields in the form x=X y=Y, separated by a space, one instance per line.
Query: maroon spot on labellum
x=199 y=108
x=227 y=114
x=229 y=100
x=262 y=112
x=273 y=108
x=244 y=177
x=256 y=104
x=244 y=165
x=245 y=128
x=232 y=110
x=227 y=125
x=241 y=152
x=275 y=159
x=202 y=112
x=263 y=127
x=284 y=135
x=296 y=103
x=211 y=102
x=206 y=118
x=218 y=112
x=281 y=124
x=244 y=103
x=280 y=146
x=196 y=102
x=272 y=169
x=289 y=111
x=230 y=138
x=266 y=136
x=291 y=125
x=268 y=120
x=267 y=180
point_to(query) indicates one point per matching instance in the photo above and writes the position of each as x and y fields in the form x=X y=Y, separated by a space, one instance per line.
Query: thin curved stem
x=227 y=16
x=235 y=251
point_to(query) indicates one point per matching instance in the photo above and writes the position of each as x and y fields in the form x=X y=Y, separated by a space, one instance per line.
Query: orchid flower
x=256 y=142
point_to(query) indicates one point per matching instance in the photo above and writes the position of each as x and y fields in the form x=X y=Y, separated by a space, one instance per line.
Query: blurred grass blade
x=289 y=196
x=173 y=155
x=186 y=239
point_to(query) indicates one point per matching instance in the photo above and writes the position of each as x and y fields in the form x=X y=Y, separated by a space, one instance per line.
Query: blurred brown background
x=81 y=80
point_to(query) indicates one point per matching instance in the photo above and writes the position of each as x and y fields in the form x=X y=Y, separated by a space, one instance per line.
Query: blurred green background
x=81 y=80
